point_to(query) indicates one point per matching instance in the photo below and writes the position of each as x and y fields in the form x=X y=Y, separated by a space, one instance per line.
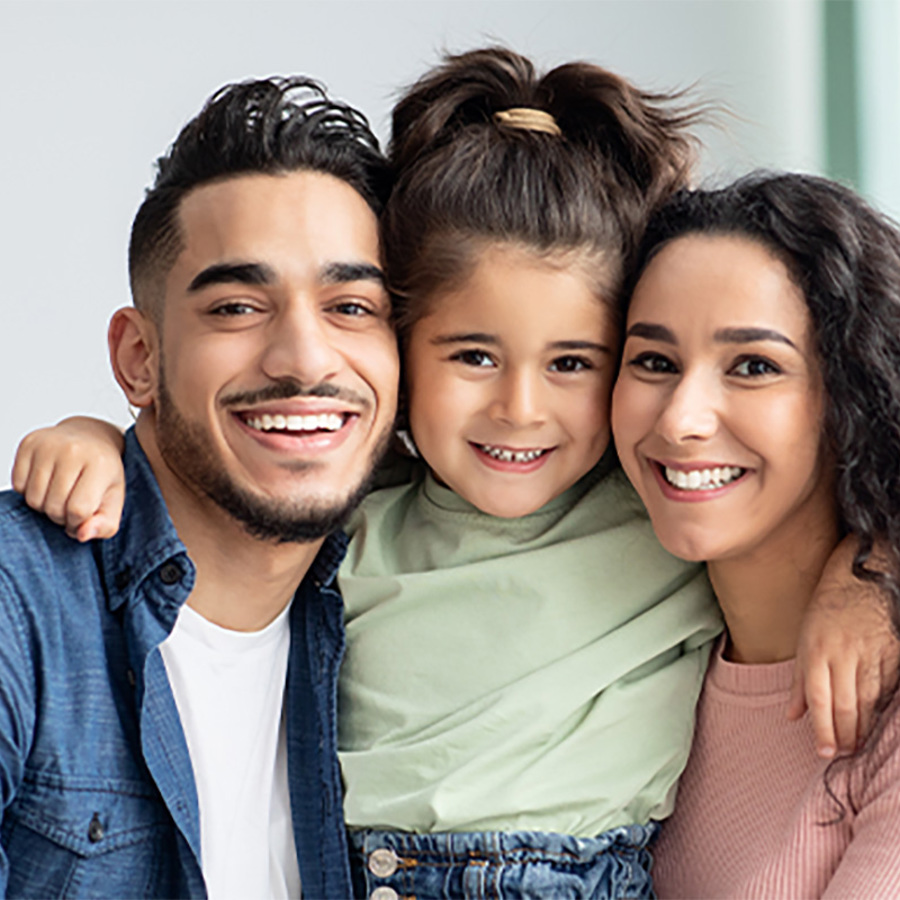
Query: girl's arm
x=847 y=657
x=72 y=472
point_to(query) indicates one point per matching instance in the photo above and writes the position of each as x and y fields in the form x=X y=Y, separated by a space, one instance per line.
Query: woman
x=757 y=413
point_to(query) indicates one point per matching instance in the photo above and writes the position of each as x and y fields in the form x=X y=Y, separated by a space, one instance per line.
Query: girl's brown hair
x=465 y=178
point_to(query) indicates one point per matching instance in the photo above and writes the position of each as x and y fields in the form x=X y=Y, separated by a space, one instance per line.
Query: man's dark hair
x=270 y=126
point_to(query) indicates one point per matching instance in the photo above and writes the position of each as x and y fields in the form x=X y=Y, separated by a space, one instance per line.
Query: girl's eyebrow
x=653 y=332
x=473 y=337
x=580 y=345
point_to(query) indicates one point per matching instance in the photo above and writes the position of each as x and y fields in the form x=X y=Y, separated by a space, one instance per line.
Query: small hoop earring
x=407 y=442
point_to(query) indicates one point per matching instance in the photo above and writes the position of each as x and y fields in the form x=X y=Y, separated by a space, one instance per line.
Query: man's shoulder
x=35 y=551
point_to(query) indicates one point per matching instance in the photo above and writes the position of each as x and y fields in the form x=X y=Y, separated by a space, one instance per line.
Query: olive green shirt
x=537 y=673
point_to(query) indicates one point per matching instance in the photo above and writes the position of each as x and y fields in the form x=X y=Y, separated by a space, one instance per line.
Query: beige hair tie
x=529 y=119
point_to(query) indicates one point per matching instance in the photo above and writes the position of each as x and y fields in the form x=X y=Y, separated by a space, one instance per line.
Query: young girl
x=758 y=415
x=523 y=658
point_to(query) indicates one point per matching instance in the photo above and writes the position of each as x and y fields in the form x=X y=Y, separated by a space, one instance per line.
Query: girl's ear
x=134 y=354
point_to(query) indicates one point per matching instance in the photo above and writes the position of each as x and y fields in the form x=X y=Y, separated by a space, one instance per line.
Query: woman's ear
x=134 y=354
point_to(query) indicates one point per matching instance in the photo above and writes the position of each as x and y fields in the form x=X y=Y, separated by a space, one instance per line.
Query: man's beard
x=189 y=453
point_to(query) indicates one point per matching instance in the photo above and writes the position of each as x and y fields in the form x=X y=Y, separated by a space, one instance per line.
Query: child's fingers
x=22 y=465
x=37 y=484
x=819 y=701
x=92 y=497
x=104 y=523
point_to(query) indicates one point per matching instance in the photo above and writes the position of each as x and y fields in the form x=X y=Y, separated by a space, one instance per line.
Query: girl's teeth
x=323 y=422
x=702 y=479
x=519 y=456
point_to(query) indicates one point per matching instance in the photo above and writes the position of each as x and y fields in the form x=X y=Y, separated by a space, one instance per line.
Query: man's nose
x=520 y=399
x=691 y=409
x=300 y=345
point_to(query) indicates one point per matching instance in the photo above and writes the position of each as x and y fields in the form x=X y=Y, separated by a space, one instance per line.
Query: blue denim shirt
x=97 y=791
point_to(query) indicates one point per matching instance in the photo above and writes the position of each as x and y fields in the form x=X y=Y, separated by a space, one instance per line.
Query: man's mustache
x=287 y=388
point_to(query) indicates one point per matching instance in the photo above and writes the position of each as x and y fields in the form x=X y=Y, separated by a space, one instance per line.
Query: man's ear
x=134 y=354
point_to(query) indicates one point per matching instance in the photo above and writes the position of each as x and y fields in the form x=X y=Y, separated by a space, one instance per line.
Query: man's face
x=278 y=366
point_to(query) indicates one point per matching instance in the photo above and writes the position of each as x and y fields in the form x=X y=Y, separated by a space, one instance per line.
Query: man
x=143 y=751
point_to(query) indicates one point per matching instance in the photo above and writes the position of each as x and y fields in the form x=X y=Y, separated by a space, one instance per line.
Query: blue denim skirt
x=393 y=864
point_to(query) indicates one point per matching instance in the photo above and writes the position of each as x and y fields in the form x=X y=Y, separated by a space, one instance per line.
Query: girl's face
x=509 y=379
x=718 y=408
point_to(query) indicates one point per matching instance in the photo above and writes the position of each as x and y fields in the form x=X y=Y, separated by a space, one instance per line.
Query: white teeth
x=323 y=422
x=702 y=479
x=519 y=456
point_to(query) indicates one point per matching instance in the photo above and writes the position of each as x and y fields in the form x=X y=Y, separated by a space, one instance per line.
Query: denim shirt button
x=384 y=893
x=170 y=574
x=95 y=830
x=382 y=864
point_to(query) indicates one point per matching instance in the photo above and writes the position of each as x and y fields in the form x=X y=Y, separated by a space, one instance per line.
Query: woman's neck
x=764 y=593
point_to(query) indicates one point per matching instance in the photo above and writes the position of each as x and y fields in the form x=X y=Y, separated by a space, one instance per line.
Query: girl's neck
x=764 y=593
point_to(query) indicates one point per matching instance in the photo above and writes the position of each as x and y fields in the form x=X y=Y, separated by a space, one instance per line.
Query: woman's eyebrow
x=749 y=335
x=651 y=332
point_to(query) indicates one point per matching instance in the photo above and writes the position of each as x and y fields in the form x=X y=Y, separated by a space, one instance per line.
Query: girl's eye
x=570 y=364
x=473 y=358
x=234 y=308
x=654 y=363
x=754 y=367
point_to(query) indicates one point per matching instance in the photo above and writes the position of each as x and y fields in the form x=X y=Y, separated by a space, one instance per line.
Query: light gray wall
x=93 y=92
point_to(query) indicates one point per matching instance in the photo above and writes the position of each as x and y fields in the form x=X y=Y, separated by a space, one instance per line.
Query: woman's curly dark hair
x=845 y=257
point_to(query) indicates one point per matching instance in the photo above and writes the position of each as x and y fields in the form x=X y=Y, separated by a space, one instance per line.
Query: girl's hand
x=73 y=474
x=847 y=656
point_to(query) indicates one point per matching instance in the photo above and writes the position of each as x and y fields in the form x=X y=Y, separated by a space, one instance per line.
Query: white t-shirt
x=229 y=690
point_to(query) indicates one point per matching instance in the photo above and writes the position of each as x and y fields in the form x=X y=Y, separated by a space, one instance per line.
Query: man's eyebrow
x=468 y=337
x=580 y=345
x=749 y=335
x=233 y=273
x=652 y=332
x=343 y=272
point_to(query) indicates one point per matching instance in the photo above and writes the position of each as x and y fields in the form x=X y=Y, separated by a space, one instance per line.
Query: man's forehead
x=299 y=220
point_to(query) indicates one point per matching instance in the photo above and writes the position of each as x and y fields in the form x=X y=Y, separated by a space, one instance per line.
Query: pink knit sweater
x=749 y=816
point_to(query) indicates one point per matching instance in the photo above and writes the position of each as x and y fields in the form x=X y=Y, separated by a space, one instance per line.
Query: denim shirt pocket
x=87 y=836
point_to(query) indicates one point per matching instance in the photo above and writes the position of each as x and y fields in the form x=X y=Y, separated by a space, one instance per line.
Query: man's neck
x=242 y=583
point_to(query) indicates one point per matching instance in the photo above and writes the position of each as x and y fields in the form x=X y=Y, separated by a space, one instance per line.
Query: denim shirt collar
x=146 y=539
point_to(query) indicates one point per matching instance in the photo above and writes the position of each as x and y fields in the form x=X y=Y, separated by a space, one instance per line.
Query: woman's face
x=718 y=408
x=509 y=380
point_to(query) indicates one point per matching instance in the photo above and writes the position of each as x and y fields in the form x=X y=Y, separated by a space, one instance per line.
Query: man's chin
x=283 y=521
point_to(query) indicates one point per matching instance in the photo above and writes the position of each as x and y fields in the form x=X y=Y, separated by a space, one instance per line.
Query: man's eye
x=473 y=358
x=655 y=363
x=570 y=364
x=235 y=308
x=351 y=308
x=754 y=367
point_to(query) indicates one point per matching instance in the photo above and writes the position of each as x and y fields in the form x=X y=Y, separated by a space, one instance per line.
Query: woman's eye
x=754 y=367
x=570 y=364
x=655 y=363
x=473 y=358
